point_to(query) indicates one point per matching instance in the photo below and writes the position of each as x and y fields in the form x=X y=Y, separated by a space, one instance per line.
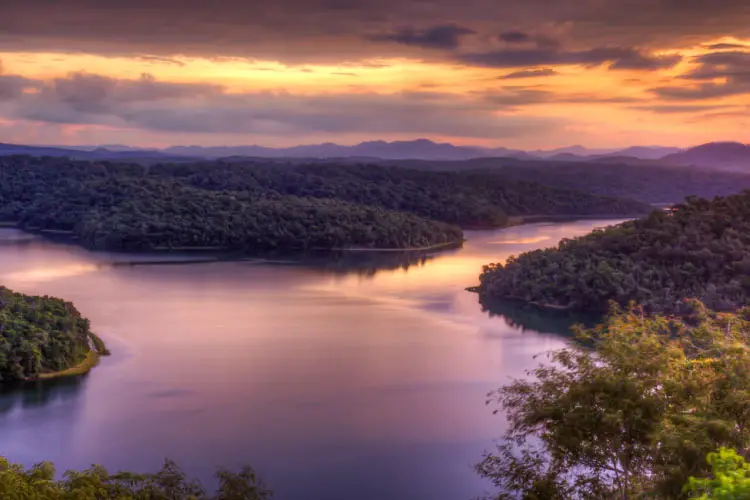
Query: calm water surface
x=335 y=385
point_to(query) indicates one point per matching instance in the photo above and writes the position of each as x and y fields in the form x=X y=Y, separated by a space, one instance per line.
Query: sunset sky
x=523 y=74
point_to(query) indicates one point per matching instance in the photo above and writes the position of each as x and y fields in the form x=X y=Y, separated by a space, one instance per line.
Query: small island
x=700 y=249
x=44 y=337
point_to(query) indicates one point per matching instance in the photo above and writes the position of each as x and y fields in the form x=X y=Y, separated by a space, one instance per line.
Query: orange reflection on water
x=49 y=273
x=521 y=241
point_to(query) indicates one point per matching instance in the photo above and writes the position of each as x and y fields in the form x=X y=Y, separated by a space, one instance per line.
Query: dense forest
x=632 y=411
x=646 y=183
x=699 y=250
x=470 y=199
x=40 y=335
x=254 y=207
x=96 y=483
x=655 y=184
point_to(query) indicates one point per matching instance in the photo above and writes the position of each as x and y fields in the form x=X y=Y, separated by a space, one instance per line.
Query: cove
x=335 y=381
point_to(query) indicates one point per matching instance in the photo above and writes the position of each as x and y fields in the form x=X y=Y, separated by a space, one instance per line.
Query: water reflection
x=360 y=376
x=37 y=394
x=363 y=264
x=530 y=318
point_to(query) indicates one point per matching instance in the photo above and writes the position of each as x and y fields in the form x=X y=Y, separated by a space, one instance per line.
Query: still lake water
x=334 y=384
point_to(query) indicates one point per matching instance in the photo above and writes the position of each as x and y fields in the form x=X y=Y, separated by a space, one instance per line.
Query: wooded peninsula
x=44 y=337
x=257 y=206
x=700 y=249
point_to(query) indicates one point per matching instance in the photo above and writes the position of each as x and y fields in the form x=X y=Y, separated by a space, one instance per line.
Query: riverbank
x=518 y=220
x=538 y=305
x=530 y=219
x=97 y=349
x=439 y=246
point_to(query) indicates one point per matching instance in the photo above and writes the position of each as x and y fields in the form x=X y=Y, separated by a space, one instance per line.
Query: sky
x=524 y=74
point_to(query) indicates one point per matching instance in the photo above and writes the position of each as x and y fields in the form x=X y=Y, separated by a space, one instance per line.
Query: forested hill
x=39 y=335
x=642 y=182
x=470 y=199
x=248 y=207
x=701 y=250
x=646 y=183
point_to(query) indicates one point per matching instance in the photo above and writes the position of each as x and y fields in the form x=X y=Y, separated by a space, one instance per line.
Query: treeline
x=700 y=250
x=646 y=183
x=39 y=335
x=251 y=207
x=632 y=411
x=96 y=483
x=655 y=184
x=470 y=199
x=120 y=207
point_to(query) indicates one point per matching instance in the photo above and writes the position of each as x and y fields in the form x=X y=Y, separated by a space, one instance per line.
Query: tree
x=96 y=483
x=729 y=480
x=632 y=409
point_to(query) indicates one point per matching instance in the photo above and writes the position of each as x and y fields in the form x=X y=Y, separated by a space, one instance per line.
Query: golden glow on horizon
x=601 y=107
x=239 y=75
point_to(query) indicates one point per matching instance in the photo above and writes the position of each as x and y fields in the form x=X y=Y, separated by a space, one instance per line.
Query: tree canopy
x=257 y=207
x=699 y=250
x=96 y=483
x=39 y=335
x=630 y=411
x=729 y=478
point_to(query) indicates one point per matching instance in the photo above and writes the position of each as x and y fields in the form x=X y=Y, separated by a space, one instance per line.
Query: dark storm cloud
x=530 y=73
x=83 y=97
x=310 y=30
x=446 y=37
x=174 y=107
x=514 y=37
x=618 y=57
x=731 y=67
x=515 y=96
x=721 y=65
x=520 y=37
x=12 y=86
x=679 y=108
x=699 y=92
x=726 y=46
x=89 y=93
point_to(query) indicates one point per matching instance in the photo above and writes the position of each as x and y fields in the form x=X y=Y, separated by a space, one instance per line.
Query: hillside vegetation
x=631 y=411
x=270 y=207
x=96 y=483
x=39 y=335
x=646 y=183
x=701 y=250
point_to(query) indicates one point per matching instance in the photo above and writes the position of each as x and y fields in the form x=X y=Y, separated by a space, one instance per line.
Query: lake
x=334 y=379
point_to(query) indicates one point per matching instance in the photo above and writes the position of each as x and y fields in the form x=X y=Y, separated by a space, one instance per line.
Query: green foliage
x=251 y=207
x=38 y=335
x=170 y=483
x=643 y=182
x=701 y=250
x=729 y=480
x=629 y=412
x=470 y=199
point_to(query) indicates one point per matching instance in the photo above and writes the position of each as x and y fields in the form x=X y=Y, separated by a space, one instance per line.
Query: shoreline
x=97 y=349
x=530 y=219
x=437 y=246
x=204 y=251
x=519 y=220
x=542 y=306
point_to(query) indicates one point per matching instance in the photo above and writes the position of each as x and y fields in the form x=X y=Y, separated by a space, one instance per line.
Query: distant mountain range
x=719 y=155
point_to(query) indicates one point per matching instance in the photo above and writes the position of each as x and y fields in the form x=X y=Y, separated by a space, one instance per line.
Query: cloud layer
x=297 y=30
x=145 y=103
x=538 y=72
